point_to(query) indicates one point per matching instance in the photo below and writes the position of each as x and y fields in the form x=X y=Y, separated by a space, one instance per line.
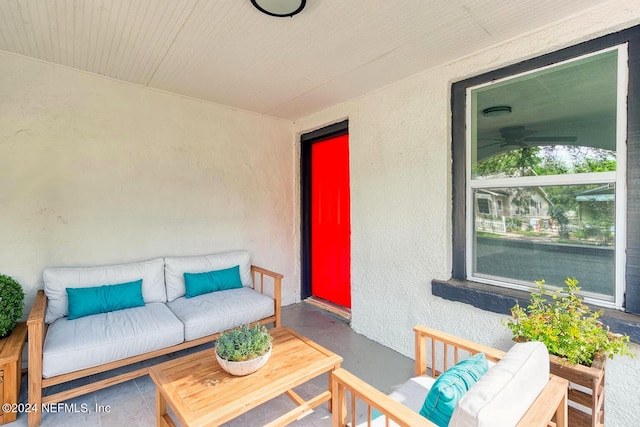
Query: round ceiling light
x=499 y=110
x=279 y=8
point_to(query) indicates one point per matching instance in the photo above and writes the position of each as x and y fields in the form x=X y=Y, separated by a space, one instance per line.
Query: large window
x=546 y=144
x=546 y=179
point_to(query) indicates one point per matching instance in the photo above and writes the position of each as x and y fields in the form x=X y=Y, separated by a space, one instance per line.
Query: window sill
x=500 y=300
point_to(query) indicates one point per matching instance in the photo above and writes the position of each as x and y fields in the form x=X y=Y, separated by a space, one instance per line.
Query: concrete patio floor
x=133 y=403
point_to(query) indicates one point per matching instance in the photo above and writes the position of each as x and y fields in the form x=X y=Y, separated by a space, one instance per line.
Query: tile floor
x=133 y=403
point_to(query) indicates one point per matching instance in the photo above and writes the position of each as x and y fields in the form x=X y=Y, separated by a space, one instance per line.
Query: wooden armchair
x=436 y=351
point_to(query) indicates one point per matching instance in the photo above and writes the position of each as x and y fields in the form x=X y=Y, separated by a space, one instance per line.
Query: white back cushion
x=176 y=267
x=56 y=280
x=505 y=393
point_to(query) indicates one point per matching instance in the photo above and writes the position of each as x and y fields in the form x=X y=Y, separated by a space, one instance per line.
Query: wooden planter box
x=586 y=388
x=11 y=370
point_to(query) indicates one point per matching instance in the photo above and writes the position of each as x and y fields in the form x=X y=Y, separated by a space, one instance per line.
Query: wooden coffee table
x=200 y=393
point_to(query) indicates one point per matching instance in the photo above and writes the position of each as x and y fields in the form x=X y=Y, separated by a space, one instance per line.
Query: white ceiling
x=227 y=52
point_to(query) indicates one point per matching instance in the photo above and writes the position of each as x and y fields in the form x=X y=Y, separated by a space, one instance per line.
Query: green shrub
x=567 y=326
x=243 y=343
x=513 y=224
x=11 y=304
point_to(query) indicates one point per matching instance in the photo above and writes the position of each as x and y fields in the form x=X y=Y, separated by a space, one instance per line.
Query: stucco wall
x=400 y=158
x=94 y=171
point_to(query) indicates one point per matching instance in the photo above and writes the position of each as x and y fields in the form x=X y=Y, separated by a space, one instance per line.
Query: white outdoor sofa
x=62 y=350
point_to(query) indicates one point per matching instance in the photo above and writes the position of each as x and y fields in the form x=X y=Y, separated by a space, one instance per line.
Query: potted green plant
x=567 y=326
x=577 y=341
x=243 y=350
x=11 y=304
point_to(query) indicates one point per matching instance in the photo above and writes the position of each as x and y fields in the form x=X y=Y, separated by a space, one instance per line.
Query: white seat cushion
x=215 y=312
x=504 y=394
x=72 y=345
x=411 y=394
x=56 y=280
x=176 y=267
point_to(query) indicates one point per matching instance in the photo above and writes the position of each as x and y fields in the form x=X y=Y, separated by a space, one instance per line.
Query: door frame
x=306 y=141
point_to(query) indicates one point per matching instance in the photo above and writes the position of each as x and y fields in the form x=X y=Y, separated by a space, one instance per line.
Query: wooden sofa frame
x=37 y=330
x=445 y=351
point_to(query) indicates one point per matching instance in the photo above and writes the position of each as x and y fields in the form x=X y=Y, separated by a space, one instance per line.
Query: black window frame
x=498 y=299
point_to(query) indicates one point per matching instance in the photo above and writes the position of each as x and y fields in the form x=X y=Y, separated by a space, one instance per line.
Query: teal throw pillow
x=103 y=299
x=211 y=281
x=450 y=387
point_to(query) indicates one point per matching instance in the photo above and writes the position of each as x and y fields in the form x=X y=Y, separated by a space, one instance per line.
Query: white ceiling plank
x=127 y=13
x=41 y=12
x=506 y=17
x=13 y=29
x=112 y=30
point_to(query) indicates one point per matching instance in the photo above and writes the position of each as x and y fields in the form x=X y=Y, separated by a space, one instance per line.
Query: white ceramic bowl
x=246 y=367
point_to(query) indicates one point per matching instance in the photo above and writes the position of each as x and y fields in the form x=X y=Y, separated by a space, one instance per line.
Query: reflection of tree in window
x=596 y=208
x=547 y=160
x=521 y=199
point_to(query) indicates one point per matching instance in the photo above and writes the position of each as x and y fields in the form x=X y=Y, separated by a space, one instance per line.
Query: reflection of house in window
x=535 y=206
x=511 y=202
x=487 y=217
x=489 y=198
x=483 y=207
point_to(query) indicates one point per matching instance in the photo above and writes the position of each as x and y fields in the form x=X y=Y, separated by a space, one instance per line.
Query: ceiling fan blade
x=514 y=136
x=550 y=139
x=503 y=143
x=515 y=132
x=516 y=142
x=496 y=142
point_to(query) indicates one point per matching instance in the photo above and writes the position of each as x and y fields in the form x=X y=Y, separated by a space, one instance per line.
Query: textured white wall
x=401 y=200
x=94 y=171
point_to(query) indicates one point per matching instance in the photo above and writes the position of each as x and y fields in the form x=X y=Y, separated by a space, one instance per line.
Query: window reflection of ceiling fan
x=520 y=136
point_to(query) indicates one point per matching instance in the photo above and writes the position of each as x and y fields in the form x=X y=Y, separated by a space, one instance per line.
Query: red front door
x=331 y=221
